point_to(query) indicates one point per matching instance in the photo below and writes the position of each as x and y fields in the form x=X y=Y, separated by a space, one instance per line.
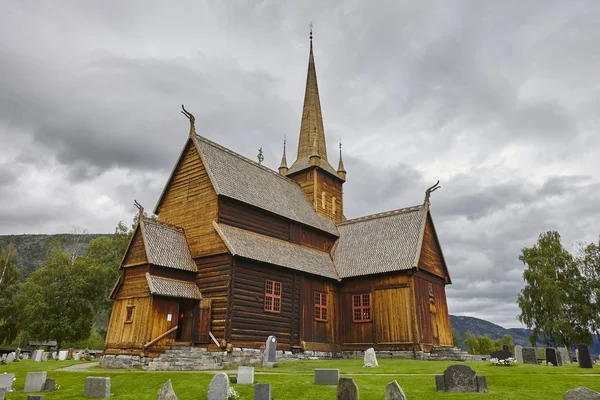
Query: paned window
x=361 y=307
x=129 y=316
x=273 y=296
x=320 y=306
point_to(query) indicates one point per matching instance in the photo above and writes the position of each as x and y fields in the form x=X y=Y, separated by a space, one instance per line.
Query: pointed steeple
x=311 y=127
x=283 y=168
x=341 y=170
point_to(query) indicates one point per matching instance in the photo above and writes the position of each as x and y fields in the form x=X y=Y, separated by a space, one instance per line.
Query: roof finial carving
x=311 y=26
x=341 y=170
x=192 y=119
x=141 y=210
x=431 y=190
x=261 y=158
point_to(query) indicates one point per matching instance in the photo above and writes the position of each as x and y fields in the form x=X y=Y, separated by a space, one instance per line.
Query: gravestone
x=327 y=376
x=62 y=355
x=519 y=353
x=6 y=381
x=54 y=355
x=270 y=356
x=34 y=382
x=3 y=357
x=166 y=392
x=49 y=385
x=69 y=354
x=38 y=355
x=529 y=356
x=583 y=356
x=17 y=353
x=245 y=375
x=219 y=386
x=581 y=393
x=501 y=354
x=370 y=359
x=47 y=356
x=558 y=358
x=347 y=389
x=35 y=397
x=2 y=393
x=25 y=356
x=10 y=357
x=460 y=378
x=551 y=357
x=262 y=391
x=565 y=356
x=77 y=356
x=96 y=387
x=393 y=391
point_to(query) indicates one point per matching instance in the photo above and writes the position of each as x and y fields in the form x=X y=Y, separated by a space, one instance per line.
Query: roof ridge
x=384 y=214
x=241 y=157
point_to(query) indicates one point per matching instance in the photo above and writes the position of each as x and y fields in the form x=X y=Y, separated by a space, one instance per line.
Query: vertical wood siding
x=136 y=253
x=311 y=238
x=127 y=336
x=431 y=259
x=190 y=202
x=161 y=308
x=235 y=213
x=320 y=331
x=213 y=281
x=135 y=283
x=332 y=188
x=440 y=322
x=305 y=180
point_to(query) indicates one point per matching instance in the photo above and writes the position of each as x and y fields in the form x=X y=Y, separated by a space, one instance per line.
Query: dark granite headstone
x=558 y=358
x=49 y=385
x=347 y=389
x=551 y=356
x=581 y=393
x=529 y=356
x=583 y=356
x=327 y=376
x=35 y=397
x=262 y=391
x=501 y=354
x=96 y=387
x=505 y=348
x=460 y=378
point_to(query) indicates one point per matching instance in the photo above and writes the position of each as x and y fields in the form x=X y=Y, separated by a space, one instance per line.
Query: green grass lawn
x=294 y=380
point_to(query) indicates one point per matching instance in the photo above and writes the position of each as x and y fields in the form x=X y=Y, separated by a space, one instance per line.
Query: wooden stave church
x=240 y=252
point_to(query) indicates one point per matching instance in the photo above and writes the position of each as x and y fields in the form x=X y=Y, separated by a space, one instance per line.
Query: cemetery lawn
x=294 y=380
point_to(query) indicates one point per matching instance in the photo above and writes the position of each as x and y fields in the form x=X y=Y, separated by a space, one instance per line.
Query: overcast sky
x=498 y=100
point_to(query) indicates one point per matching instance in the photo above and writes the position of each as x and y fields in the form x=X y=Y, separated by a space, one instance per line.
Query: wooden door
x=392 y=316
x=202 y=322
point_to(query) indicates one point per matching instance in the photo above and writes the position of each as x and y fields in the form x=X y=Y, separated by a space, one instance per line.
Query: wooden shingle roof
x=380 y=243
x=166 y=246
x=173 y=287
x=278 y=252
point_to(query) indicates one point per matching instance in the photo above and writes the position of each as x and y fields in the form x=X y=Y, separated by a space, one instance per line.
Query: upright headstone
x=62 y=355
x=460 y=378
x=35 y=397
x=34 y=382
x=49 y=385
x=47 y=356
x=551 y=357
x=270 y=356
x=583 y=356
x=96 y=387
x=10 y=357
x=38 y=355
x=262 y=391
x=245 y=375
x=347 y=389
x=6 y=381
x=166 y=392
x=3 y=357
x=519 y=353
x=558 y=358
x=565 y=356
x=393 y=391
x=77 y=356
x=529 y=356
x=501 y=354
x=581 y=393
x=370 y=359
x=218 y=387
x=327 y=376
x=2 y=393
x=25 y=356
x=55 y=355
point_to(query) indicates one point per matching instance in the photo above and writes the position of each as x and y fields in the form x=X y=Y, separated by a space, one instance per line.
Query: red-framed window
x=129 y=315
x=273 y=296
x=320 y=306
x=361 y=307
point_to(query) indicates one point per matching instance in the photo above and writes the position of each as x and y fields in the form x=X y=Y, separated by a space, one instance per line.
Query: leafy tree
x=553 y=302
x=471 y=343
x=589 y=264
x=507 y=340
x=9 y=284
x=55 y=302
x=484 y=345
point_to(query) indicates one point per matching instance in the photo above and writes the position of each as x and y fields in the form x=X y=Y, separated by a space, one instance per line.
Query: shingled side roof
x=166 y=246
x=172 y=287
x=380 y=243
x=275 y=251
x=239 y=178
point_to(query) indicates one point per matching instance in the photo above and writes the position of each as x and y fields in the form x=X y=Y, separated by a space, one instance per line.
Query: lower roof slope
x=160 y=286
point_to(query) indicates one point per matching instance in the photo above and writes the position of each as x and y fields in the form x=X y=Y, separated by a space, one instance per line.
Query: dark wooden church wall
x=240 y=215
x=431 y=259
x=213 y=280
x=250 y=323
x=317 y=331
x=439 y=322
x=172 y=273
x=311 y=237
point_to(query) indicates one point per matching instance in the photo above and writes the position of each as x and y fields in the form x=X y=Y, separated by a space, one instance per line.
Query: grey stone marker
x=77 y=356
x=393 y=391
x=245 y=375
x=552 y=357
x=6 y=381
x=10 y=357
x=62 y=355
x=581 y=393
x=529 y=356
x=347 y=389
x=219 y=386
x=327 y=376
x=35 y=397
x=270 y=356
x=166 y=392
x=262 y=391
x=460 y=378
x=96 y=387
x=519 y=353
x=38 y=355
x=34 y=382
x=370 y=359
x=3 y=357
x=25 y=356
x=565 y=356
x=2 y=393
x=49 y=385
x=583 y=356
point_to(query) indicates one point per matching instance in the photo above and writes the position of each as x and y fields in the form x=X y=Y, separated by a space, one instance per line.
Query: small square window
x=361 y=307
x=129 y=316
x=273 y=292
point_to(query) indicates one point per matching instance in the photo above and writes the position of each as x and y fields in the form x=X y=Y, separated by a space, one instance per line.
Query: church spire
x=283 y=168
x=311 y=128
x=341 y=170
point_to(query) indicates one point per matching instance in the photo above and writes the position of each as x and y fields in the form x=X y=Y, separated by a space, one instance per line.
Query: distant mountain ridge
x=481 y=327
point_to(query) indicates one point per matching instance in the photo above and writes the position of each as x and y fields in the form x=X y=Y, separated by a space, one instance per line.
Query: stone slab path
x=79 y=367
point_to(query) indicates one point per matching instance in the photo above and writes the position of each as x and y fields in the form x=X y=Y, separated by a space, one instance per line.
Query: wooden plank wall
x=213 y=280
x=306 y=182
x=441 y=321
x=161 y=308
x=240 y=215
x=191 y=203
x=332 y=188
x=122 y=336
x=311 y=238
x=136 y=253
x=320 y=331
x=431 y=254
x=250 y=323
x=135 y=283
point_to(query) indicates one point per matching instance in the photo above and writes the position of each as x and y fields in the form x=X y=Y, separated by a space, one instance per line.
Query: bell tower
x=319 y=181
